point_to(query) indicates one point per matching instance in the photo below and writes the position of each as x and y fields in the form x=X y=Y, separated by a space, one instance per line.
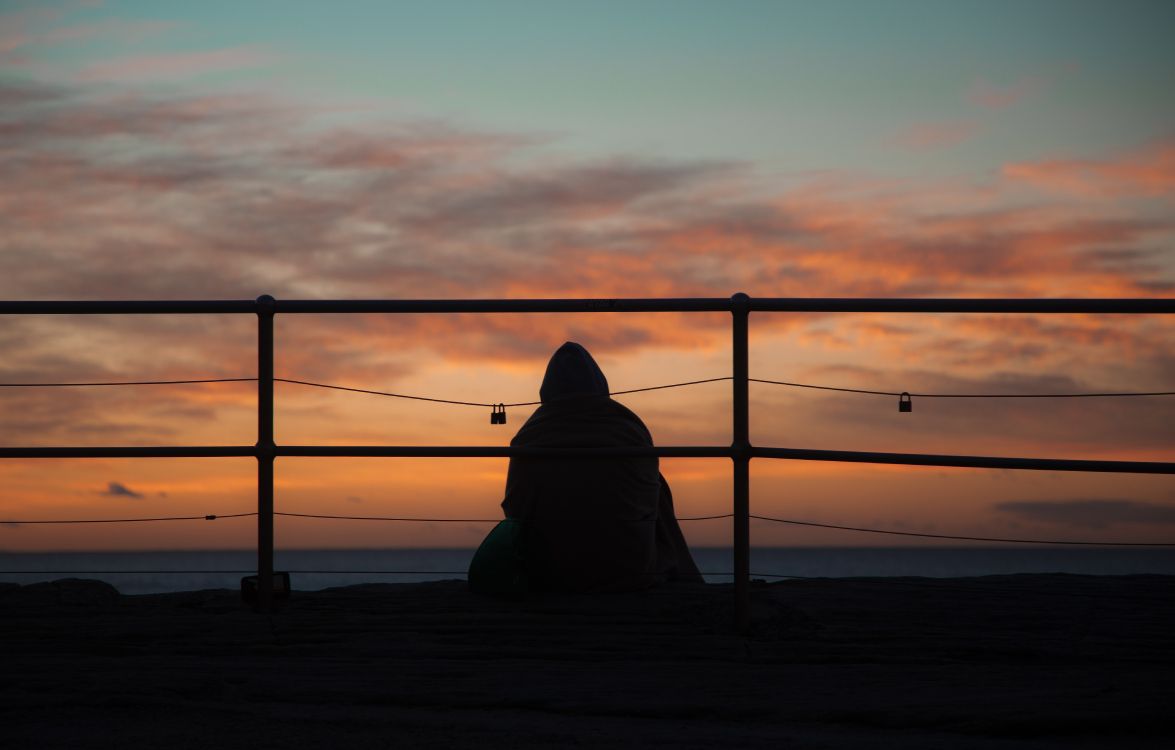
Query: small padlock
x=493 y=414
x=501 y=414
x=905 y=403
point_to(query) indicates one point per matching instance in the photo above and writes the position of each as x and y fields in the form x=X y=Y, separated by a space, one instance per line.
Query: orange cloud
x=1146 y=172
x=927 y=136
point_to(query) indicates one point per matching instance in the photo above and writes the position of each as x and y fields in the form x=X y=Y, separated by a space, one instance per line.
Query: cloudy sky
x=156 y=150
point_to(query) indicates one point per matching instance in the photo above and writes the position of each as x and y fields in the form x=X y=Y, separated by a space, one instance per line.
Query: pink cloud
x=114 y=28
x=19 y=29
x=147 y=68
x=27 y=29
x=987 y=95
x=1145 y=172
x=935 y=135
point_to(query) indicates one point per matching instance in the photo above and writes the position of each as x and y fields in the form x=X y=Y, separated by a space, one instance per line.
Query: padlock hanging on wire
x=905 y=402
x=498 y=415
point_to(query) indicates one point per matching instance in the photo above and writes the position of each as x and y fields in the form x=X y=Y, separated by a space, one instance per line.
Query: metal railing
x=740 y=451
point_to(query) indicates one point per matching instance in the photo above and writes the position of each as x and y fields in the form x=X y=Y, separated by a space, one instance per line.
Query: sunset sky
x=215 y=150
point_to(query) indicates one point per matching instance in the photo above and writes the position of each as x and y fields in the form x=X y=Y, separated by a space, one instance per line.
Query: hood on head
x=572 y=373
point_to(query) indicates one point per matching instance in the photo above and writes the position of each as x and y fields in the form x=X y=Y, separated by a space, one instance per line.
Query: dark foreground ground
x=1033 y=661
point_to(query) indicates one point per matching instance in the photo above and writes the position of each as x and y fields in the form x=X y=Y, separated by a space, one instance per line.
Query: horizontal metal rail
x=701 y=304
x=132 y=307
x=969 y=462
x=132 y=451
x=663 y=451
x=963 y=305
x=478 y=451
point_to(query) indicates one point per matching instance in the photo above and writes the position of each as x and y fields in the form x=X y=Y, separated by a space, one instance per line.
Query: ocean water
x=164 y=571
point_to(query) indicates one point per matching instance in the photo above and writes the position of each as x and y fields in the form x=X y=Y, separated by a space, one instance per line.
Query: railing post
x=740 y=310
x=266 y=450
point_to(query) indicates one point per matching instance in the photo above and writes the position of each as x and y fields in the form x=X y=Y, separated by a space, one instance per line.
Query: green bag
x=498 y=567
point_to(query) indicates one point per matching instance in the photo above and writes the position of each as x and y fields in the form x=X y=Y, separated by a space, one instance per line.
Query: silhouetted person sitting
x=582 y=524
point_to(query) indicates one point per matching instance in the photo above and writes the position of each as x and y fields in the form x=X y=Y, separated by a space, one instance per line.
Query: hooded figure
x=591 y=524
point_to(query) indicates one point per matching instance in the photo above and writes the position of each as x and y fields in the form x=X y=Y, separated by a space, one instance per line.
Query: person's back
x=591 y=524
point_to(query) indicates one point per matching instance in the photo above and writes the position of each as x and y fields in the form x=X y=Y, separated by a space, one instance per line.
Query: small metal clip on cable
x=210 y=518
x=905 y=403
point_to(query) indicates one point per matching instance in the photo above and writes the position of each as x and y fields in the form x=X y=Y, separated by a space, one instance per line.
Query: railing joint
x=742 y=450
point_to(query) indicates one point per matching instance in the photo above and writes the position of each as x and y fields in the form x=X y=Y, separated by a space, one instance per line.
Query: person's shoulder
x=630 y=417
x=599 y=419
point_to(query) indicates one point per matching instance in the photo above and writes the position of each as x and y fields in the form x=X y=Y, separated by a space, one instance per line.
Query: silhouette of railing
x=740 y=451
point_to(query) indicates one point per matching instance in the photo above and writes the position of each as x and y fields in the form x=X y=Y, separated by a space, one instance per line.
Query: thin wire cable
x=760 y=518
x=753 y=380
x=123 y=572
x=128 y=382
x=291 y=571
x=322 y=572
x=387 y=518
x=386 y=393
x=789 y=521
x=961 y=538
x=207 y=517
x=1106 y=394
x=485 y=405
x=382 y=572
x=671 y=385
x=962 y=395
x=624 y=392
x=822 y=387
x=462 y=520
x=207 y=572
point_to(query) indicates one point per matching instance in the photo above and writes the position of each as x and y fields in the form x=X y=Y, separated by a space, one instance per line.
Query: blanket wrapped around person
x=582 y=524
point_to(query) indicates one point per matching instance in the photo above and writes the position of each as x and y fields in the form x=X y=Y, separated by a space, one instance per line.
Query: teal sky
x=785 y=86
